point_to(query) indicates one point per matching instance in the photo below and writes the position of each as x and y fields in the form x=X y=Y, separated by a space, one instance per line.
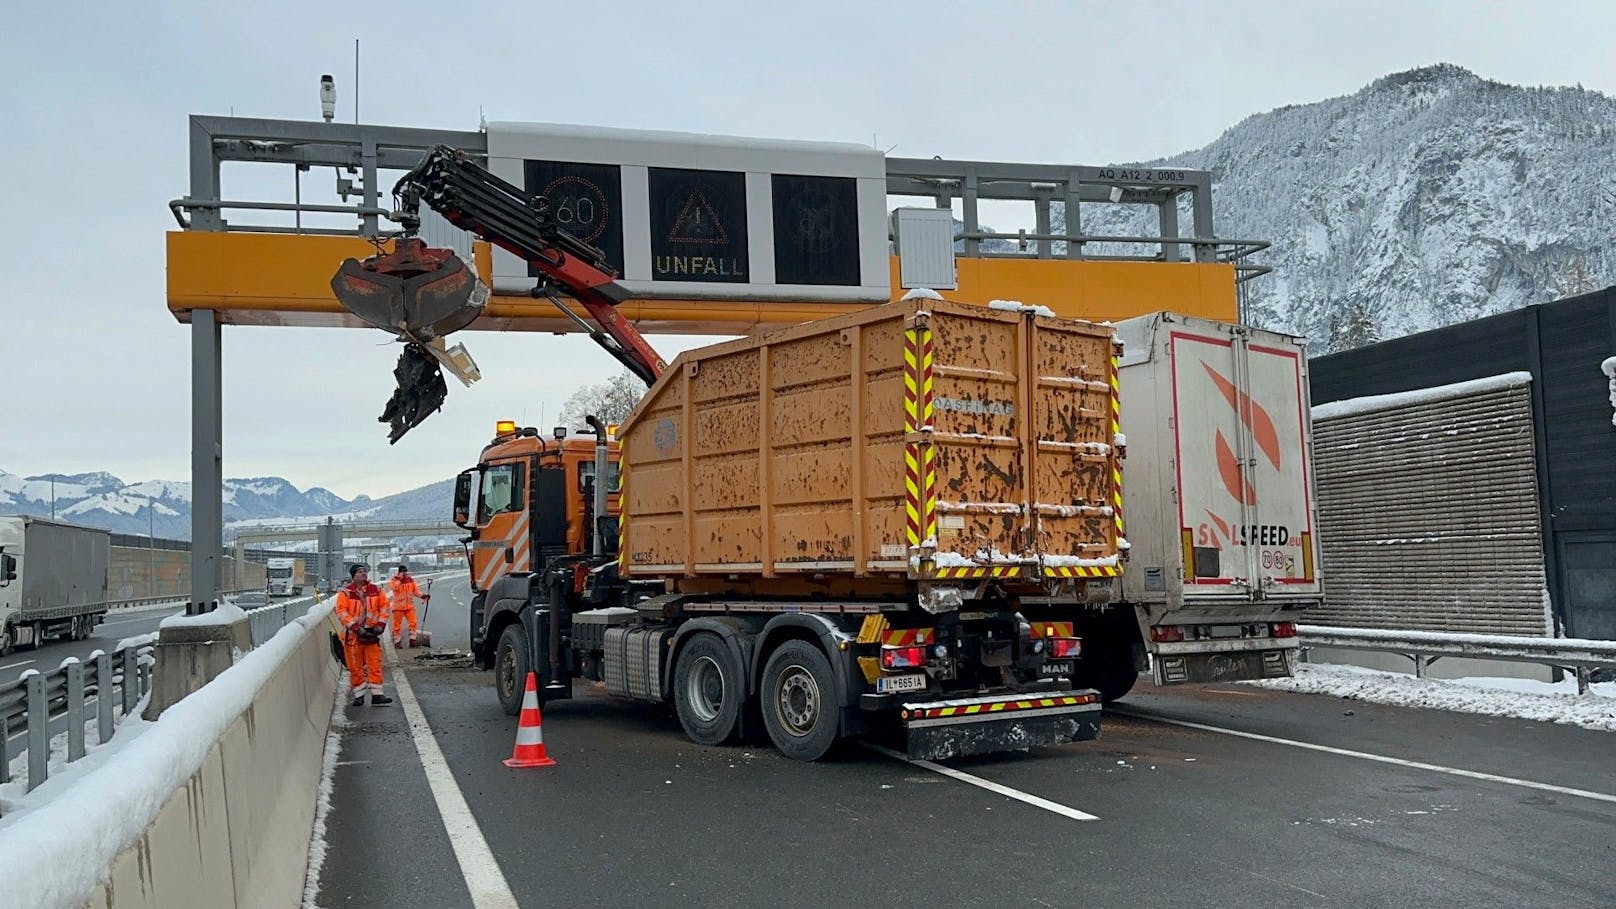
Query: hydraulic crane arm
x=523 y=224
x=422 y=294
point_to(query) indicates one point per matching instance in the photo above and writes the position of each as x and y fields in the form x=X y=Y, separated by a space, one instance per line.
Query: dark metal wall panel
x=1428 y=516
x=1561 y=344
x=1472 y=350
x=1579 y=441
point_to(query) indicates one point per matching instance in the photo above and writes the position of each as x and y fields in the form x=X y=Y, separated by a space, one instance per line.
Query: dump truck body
x=1219 y=500
x=922 y=443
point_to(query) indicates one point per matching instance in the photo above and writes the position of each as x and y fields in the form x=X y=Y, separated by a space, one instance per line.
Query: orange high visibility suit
x=360 y=607
x=403 y=591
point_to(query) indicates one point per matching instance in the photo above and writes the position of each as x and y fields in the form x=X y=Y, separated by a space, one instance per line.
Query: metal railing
x=33 y=703
x=1423 y=648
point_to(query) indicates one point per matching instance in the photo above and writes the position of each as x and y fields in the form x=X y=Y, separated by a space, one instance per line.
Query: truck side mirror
x=462 y=498
x=8 y=569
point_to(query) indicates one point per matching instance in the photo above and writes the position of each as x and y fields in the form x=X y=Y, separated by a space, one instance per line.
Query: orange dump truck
x=890 y=521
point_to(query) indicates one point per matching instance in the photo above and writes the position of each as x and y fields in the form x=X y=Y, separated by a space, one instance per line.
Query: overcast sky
x=95 y=106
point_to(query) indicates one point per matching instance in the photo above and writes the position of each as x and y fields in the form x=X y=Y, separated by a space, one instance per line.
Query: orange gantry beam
x=284 y=279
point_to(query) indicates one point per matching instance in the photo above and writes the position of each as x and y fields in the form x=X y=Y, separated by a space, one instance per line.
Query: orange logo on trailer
x=1257 y=419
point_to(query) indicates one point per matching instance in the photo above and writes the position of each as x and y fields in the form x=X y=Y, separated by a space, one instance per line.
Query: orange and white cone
x=529 y=751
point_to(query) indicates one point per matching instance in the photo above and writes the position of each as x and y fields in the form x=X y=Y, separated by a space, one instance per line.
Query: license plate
x=1056 y=669
x=890 y=683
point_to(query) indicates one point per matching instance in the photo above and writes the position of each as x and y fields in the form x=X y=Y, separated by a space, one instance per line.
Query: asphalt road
x=119 y=625
x=634 y=814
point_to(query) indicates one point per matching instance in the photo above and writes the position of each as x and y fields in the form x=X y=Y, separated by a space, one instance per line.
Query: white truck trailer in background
x=53 y=580
x=1218 y=505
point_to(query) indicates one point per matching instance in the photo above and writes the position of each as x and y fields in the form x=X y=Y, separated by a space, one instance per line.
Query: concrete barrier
x=210 y=806
x=236 y=833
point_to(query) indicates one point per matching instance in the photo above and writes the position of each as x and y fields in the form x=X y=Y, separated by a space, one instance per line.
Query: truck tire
x=798 y=700
x=8 y=639
x=510 y=668
x=1112 y=675
x=707 y=690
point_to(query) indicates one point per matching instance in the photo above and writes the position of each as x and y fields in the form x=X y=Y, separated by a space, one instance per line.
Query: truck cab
x=528 y=505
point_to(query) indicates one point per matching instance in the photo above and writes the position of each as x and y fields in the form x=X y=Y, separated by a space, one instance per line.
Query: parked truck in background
x=53 y=580
x=1219 y=508
x=888 y=522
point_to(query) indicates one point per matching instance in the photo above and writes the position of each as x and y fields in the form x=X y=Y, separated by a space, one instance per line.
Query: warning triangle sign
x=697 y=222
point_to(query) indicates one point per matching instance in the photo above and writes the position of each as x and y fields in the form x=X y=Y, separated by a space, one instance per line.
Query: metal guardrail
x=1425 y=647
x=168 y=598
x=31 y=703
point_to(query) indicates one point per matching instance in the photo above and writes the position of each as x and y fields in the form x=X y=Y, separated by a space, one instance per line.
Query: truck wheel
x=1113 y=676
x=707 y=690
x=510 y=668
x=8 y=639
x=799 y=701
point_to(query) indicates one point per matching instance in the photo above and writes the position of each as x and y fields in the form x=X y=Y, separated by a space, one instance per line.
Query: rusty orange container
x=920 y=441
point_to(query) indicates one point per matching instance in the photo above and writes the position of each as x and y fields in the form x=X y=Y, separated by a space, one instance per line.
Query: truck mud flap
x=940 y=730
x=1236 y=666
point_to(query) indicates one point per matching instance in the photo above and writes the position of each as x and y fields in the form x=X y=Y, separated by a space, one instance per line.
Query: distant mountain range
x=1427 y=198
x=103 y=500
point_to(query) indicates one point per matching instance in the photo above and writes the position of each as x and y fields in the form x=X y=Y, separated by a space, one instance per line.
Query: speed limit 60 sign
x=587 y=200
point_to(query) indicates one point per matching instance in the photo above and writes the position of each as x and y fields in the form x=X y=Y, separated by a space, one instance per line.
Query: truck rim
x=798 y=704
x=507 y=671
x=705 y=689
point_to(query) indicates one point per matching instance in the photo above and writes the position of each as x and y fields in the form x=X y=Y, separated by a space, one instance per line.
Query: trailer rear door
x=1242 y=462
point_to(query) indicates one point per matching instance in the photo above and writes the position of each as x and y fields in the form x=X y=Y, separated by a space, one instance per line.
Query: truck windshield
x=280 y=572
x=502 y=491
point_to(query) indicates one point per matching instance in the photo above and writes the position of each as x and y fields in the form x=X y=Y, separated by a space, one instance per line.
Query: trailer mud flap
x=1231 y=666
x=946 y=729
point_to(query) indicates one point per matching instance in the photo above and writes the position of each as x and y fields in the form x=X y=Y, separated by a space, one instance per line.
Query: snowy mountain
x=104 y=500
x=1430 y=197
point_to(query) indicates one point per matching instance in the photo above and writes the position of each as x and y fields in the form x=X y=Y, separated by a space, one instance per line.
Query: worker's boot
x=378 y=699
x=359 y=700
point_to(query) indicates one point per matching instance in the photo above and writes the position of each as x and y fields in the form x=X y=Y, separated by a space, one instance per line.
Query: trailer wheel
x=799 y=701
x=707 y=690
x=510 y=668
x=1112 y=676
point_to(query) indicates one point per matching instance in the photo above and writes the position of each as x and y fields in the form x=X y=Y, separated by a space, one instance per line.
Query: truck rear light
x=1166 y=634
x=1283 y=629
x=907 y=657
x=1064 y=648
x=580 y=577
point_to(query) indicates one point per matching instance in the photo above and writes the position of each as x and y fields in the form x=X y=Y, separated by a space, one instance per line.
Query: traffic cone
x=529 y=751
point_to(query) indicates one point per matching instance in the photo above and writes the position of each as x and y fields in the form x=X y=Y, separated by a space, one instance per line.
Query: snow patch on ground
x=1523 y=699
x=322 y=800
x=58 y=851
x=1354 y=406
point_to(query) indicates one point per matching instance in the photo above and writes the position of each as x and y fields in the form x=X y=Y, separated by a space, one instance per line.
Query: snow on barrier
x=212 y=805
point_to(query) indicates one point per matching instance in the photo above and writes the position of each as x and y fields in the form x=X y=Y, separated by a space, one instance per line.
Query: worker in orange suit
x=362 y=609
x=403 y=591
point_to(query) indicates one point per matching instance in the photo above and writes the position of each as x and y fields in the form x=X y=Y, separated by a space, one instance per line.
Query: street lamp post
x=151 y=549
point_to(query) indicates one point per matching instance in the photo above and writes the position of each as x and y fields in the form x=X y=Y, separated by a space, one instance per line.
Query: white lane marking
x=989 y=785
x=477 y=865
x=14 y=665
x=1380 y=758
